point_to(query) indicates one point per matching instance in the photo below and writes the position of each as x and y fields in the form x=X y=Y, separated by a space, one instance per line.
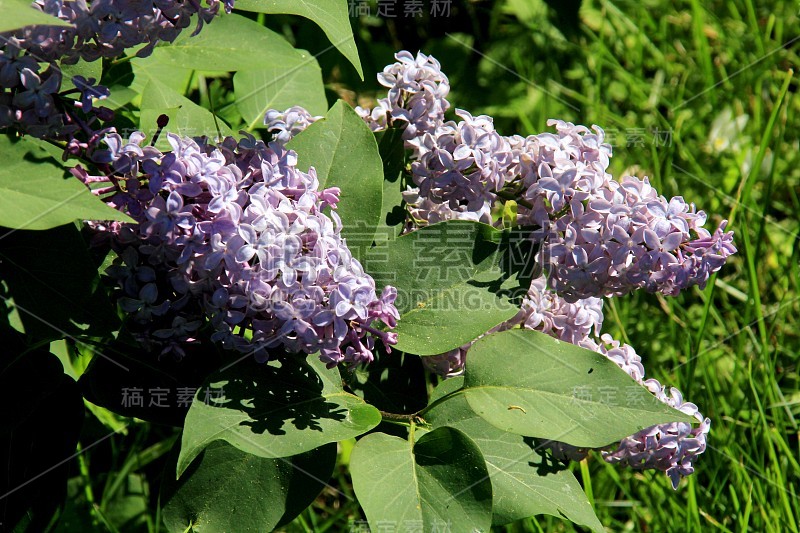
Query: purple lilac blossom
x=283 y=125
x=544 y=310
x=33 y=102
x=105 y=28
x=416 y=99
x=423 y=211
x=449 y=364
x=234 y=235
x=416 y=102
x=607 y=238
x=671 y=447
x=461 y=165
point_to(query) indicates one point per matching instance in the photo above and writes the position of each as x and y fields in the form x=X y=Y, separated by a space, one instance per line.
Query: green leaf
x=19 y=13
x=279 y=88
x=156 y=68
x=87 y=69
x=55 y=297
x=128 y=507
x=439 y=482
x=119 y=78
x=185 y=117
x=274 y=410
x=230 y=490
x=393 y=216
x=451 y=285
x=34 y=193
x=231 y=43
x=344 y=153
x=528 y=383
x=330 y=15
x=523 y=482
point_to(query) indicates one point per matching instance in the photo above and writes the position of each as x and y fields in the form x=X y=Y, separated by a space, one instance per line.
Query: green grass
x=634 y=68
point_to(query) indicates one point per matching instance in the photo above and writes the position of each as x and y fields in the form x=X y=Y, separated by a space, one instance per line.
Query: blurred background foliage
x=702 y=97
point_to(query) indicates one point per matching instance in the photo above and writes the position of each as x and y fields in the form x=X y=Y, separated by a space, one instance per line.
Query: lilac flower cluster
x=604 y=237
x=105 y=28
x=234 y=235
x=670 y=448
x=544 y=310
x=460 y=166
x=33 y=102
x=416 y=98
x=607 y=238
x=457 y=166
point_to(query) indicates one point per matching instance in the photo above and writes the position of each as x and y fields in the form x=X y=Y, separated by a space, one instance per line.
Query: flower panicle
x=233 y=235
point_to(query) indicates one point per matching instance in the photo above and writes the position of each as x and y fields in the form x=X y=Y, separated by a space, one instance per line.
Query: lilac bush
x=273 y=294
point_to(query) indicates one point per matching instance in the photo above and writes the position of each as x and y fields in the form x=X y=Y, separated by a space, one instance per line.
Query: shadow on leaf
x=543 y=462
x=273 y=395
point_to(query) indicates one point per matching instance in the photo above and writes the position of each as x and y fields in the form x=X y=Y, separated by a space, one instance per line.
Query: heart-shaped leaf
x=452 y=286
x=529 y=383
x=524 y=483
x=230 y=490
x=274 y=410
x=438 y=482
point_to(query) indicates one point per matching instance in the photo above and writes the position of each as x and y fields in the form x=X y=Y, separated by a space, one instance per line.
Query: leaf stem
x=509 y=195
x=398 y=417
x=438 y=401
x=410 y=420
